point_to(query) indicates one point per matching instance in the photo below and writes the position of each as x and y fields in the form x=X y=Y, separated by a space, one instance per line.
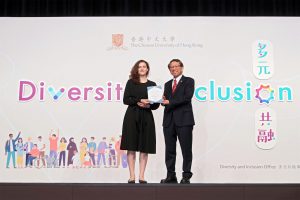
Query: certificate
x=155 y=94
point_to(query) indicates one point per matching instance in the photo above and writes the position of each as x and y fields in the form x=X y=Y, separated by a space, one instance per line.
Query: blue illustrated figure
x=92 y=149
x=101 y=151
x=28 y=146
x=10 y=149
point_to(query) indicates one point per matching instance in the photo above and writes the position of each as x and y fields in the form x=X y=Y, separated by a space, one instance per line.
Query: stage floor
x=17 y=191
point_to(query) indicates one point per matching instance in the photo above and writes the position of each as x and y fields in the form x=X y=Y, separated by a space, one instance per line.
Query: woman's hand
x=145 y=101
x=142 y=105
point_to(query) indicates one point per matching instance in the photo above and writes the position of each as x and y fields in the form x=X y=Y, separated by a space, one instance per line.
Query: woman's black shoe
x=131 y=181
x=142 y=181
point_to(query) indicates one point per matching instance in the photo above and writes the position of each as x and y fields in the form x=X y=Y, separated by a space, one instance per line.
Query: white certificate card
x=155 y=94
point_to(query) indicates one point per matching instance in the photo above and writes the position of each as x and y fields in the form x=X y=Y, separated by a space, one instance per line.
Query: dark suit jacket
x=180 y=108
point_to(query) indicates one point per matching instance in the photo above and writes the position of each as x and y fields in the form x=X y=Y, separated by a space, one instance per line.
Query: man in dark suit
x=178 y=121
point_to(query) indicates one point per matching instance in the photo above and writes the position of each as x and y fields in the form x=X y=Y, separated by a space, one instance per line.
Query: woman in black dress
x=138 y=133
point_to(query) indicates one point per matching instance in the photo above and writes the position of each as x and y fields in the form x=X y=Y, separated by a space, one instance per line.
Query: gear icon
x=269 y=89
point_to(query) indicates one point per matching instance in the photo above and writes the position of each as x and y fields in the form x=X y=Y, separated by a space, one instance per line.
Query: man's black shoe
x=185 y=181
x=169 y=180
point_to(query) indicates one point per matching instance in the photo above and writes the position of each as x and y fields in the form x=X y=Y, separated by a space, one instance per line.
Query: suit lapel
x=169 y=90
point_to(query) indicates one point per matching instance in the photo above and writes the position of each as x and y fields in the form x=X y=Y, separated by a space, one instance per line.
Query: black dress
x=138 y=132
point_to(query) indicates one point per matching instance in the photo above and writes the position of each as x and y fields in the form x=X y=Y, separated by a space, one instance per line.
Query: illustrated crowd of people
x=57 y=152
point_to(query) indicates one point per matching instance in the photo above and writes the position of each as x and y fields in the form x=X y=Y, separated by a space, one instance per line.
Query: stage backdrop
x=66 y=76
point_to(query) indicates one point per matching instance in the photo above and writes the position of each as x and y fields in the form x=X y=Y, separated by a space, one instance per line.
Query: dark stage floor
x=16 y=191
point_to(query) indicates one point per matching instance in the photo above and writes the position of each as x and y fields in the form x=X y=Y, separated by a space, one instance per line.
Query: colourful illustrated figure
x=107 y=158
x=62 y=151
x=71 y=149
x=42 y=148
x=83 y=150
x=20 y=153
x=33 y=154
x=92 y=148
x=87 y=160
x=53 y=139
x=76 y=160
x=112 y=153
x=102 y=146
x=124 y=160
x=10 y=148
x=28 y=146
x=120 y=153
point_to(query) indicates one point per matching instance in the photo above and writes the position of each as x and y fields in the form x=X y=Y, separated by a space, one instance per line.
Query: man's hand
x=165 y=101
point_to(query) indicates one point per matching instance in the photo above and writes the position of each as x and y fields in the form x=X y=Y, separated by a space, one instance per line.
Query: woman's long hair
x=134 y=74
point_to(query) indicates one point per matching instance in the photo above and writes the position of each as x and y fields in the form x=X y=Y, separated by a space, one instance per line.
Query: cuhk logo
x=117 y=40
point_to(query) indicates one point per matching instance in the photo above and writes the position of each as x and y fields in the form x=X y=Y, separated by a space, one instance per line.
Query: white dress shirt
x=177 y=80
